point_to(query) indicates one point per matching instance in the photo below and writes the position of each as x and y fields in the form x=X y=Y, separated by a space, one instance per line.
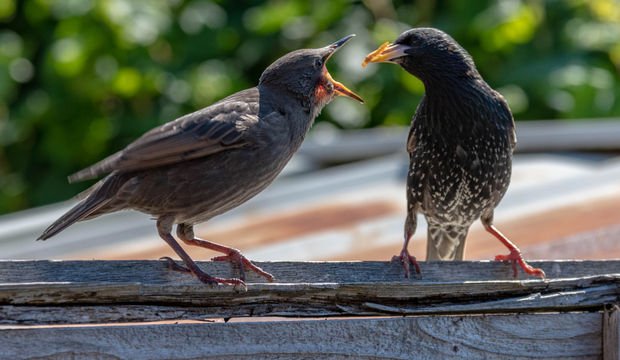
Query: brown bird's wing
x=218 y=127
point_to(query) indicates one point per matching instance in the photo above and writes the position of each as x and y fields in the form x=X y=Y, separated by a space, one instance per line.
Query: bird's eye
x=329 y=86
x=318 y=63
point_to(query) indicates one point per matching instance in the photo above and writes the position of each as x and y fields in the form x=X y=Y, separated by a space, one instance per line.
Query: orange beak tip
x=342 y=90
x=375 y=55
x=350 y=94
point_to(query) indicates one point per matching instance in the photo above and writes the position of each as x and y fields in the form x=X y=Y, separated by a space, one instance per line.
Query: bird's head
x=426 y=53
x=302 y=74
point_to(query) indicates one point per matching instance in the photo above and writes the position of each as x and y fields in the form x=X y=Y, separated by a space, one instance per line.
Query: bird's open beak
x=387 y=52
x=340 y=89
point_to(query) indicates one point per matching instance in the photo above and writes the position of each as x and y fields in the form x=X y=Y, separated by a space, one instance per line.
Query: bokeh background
x=80 y=79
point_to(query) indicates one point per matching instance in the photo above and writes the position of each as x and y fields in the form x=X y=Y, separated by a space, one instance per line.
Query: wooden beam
x=527 y=336
x=611 y=333
x=60 y=292
x=286 y=272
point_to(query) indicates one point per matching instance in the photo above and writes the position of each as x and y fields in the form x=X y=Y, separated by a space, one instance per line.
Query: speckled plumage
x=460 y=145
x=205 y=163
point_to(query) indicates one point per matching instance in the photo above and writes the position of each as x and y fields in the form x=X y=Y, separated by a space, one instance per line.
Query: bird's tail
x=446 y=242
x=98 y=196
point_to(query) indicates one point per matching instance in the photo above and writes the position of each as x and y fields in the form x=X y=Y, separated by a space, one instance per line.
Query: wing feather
x=216 y=128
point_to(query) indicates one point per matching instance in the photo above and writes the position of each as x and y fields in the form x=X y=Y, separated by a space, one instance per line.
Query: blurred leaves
x=80 y=79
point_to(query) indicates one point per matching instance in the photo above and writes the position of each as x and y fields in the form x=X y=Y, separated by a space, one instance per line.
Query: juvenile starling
x=210 y=161
x=460 y=146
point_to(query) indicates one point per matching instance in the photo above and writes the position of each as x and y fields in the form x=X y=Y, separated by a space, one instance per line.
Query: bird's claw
x=515 y=258
x=407 y=260
x=172 y=265
x=202 y=276
x=235 y=257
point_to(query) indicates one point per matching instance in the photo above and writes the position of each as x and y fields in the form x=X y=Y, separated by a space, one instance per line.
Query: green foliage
x=80 y=79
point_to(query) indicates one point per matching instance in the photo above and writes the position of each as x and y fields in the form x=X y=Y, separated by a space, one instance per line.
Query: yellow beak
x=387 y=52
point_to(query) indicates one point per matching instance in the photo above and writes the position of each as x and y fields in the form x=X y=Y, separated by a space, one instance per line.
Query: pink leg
x=192 y=268
x=186 y=234
x=514 y=256
x=164 y=225
x=406 y=259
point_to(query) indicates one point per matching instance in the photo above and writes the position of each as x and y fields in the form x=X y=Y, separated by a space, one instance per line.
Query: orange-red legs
x=515 y=254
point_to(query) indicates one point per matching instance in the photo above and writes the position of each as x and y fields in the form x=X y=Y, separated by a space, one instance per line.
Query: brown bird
x=205 y=163
x=460 y=146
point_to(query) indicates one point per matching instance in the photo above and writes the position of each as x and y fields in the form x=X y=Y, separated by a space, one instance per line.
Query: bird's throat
x=322 y=96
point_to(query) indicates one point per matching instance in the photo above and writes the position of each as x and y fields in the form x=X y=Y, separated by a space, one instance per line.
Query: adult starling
x=210 y=161
x=460 y=146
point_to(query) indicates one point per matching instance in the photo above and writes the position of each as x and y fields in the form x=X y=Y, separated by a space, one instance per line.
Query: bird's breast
x=456 y=179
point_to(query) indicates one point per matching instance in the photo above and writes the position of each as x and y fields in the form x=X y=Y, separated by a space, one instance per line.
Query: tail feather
x=99 y=196
x=77 y=213
x=446 y=242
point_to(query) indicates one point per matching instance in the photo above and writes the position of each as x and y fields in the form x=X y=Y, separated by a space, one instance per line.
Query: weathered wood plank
x=585 y=299
x=155 y=272
x=197 y=295
x=588 y=297
x=611 y=333
x=549 y=336
x=35 y=292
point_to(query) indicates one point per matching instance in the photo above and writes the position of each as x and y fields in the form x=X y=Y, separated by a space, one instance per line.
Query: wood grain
x=531 y=336
x=154 y=271
x=53 y=292
x=74 y=292
x=611 y=333
x=472 y=310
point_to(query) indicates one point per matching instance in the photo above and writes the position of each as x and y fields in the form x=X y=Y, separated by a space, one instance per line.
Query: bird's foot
x=202 y=276
x=407 y=260
x=172 y=265
x=234 y=256
x=516 y=258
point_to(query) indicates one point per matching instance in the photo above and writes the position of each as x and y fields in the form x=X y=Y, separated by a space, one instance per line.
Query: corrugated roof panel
x=355 y=211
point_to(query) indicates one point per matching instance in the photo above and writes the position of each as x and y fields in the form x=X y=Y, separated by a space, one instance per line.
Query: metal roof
x=352 y=211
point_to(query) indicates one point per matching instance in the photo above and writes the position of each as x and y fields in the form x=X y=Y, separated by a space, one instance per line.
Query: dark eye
x=318 y=63
x=329 y=86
